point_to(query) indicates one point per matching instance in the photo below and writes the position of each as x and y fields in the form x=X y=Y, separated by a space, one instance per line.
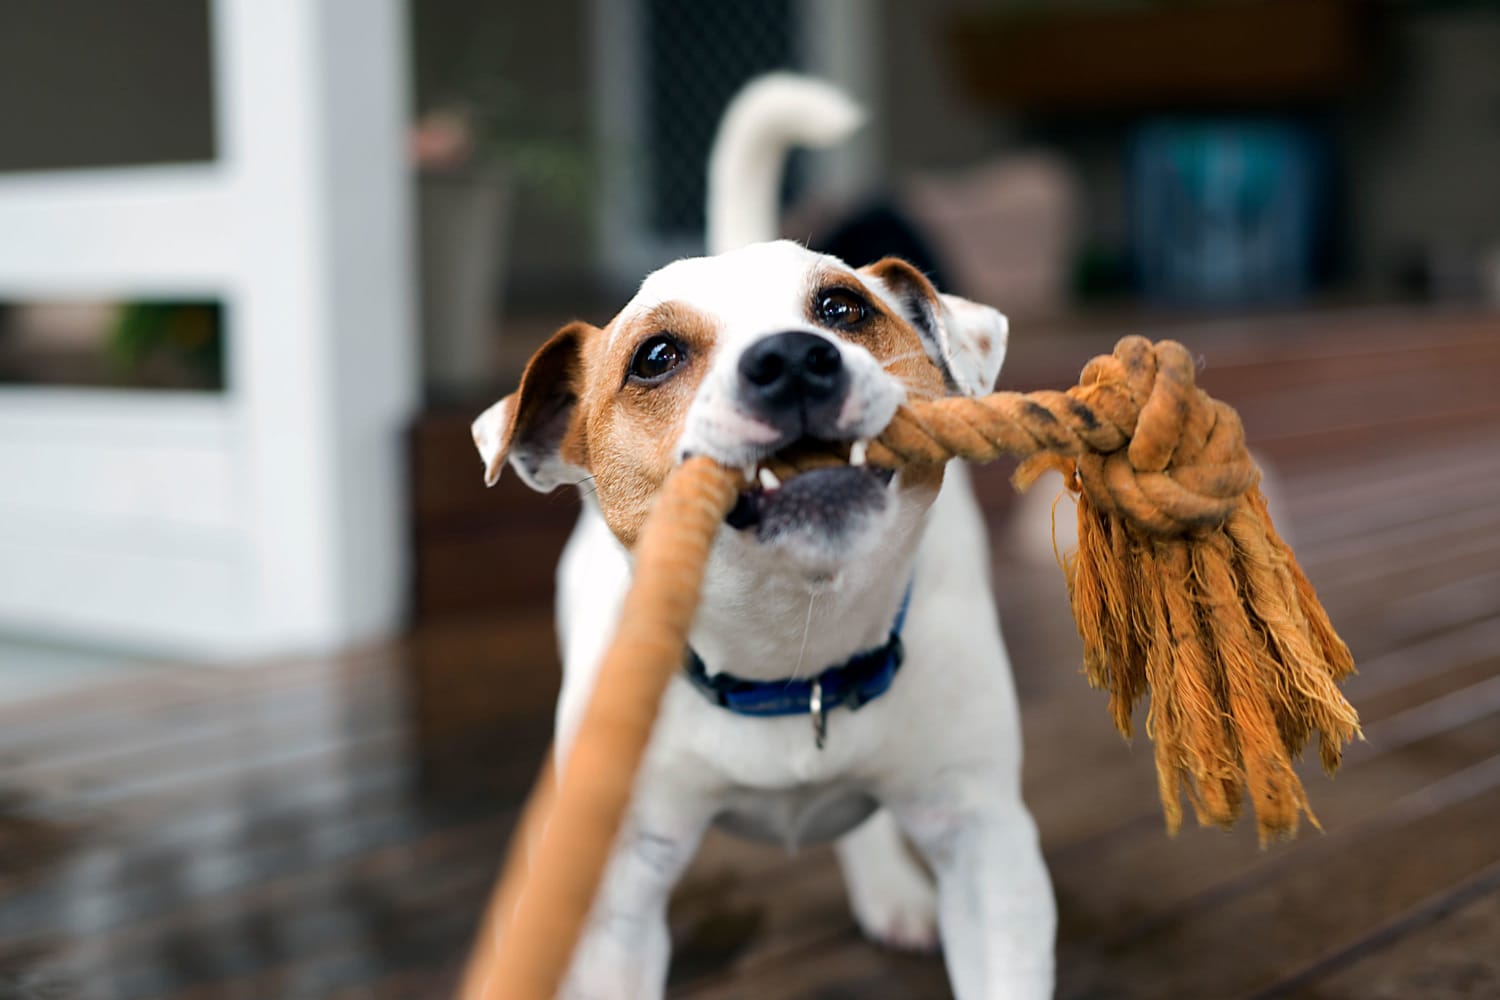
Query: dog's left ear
x=965 y=339
x=534 y=427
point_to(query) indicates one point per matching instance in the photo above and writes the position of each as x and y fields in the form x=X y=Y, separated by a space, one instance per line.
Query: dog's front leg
x=625 y=949
x=892 y=897
x=995 y=907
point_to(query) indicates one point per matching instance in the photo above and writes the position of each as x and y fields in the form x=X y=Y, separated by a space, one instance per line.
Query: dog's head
x=771 y=350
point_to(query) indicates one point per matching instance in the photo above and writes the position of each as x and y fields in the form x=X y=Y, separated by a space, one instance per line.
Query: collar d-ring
x=819 y=716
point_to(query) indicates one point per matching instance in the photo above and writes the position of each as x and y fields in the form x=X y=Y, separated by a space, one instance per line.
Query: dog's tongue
x=822 y=500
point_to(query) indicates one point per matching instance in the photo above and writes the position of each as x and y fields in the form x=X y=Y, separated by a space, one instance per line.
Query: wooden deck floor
x=327 y=829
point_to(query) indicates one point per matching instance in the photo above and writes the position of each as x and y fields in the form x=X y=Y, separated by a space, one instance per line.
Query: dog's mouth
x=810 y=485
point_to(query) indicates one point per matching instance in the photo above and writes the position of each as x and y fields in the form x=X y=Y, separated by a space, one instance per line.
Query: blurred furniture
x=476 y=550
x=483 y=675
x=1005 y=229
x=1226 y=212
x=1127 y=57
x=461 y=218
x=268 y=517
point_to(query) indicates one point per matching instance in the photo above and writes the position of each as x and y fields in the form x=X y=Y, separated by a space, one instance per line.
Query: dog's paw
x=896 y=907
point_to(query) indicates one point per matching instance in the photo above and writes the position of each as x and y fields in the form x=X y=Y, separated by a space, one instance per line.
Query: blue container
x=1225 y=213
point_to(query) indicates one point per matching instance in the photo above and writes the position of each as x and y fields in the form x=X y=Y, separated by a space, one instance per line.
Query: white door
x=268 y=517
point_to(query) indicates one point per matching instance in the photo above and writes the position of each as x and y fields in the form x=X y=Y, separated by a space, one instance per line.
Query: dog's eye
x=841 y=309
x=655 y=359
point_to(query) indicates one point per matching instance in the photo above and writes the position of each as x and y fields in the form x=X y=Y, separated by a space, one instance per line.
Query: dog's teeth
x=750 y=472
x=768 y=480
x=895 y=483
x=857 y=452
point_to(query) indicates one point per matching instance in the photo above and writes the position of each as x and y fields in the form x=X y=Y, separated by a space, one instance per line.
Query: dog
x=847 y=679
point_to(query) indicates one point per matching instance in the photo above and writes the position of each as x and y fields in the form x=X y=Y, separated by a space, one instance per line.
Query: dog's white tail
x=769 y=116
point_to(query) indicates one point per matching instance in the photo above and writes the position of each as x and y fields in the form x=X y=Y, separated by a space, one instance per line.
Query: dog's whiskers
x=812 y=595
x=886 y=364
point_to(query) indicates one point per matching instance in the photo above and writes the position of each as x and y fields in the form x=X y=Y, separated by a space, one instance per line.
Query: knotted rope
x=1180 y=587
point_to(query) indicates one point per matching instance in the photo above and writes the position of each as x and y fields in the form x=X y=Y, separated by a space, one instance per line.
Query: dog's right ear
x=965 y=339
x=533 y=427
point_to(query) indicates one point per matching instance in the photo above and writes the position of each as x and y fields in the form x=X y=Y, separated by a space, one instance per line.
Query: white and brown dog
x=848 y=680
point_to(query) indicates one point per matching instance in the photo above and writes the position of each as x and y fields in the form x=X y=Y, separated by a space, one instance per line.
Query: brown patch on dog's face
x=632 y=424
x=890 y=337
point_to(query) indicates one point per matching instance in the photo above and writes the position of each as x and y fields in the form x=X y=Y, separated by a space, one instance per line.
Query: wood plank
x=1058 y=754
x=1103 y=793
x=1143 y=875
x=446 y=863
x=1339 y=890
x=762 y=938
x=1442 y=949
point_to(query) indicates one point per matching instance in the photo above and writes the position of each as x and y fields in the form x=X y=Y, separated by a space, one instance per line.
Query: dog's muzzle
x=796 y=382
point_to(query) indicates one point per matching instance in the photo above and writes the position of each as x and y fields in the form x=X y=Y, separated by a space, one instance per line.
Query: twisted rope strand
x=531 y=928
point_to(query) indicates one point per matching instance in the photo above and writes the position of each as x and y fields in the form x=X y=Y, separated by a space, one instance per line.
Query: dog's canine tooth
x=768 y=479
x=857 y=452
x=749 y=471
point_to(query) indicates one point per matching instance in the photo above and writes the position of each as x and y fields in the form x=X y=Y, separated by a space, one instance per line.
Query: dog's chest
x=796 y=816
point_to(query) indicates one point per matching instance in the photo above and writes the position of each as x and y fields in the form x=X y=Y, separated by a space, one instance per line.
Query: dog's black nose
x=792 y=370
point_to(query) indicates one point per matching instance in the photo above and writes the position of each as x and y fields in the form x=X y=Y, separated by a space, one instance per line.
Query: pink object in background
x=1004 y=229
x=441 y=140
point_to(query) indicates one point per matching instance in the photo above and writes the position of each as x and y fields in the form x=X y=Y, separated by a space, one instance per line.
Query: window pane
x=150 y=343
x=90 y=83
x=697 y=55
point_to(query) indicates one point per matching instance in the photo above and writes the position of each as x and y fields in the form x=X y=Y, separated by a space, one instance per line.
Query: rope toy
x=1180 y=587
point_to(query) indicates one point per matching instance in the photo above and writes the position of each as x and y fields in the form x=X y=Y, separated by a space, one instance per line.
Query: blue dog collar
x=853 y=683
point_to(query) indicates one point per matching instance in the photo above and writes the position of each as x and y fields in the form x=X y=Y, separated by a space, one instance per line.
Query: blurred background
x=275 y=669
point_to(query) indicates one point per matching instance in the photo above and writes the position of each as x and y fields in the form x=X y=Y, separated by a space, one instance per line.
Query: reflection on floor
x=31 y=669
x=330 y=828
